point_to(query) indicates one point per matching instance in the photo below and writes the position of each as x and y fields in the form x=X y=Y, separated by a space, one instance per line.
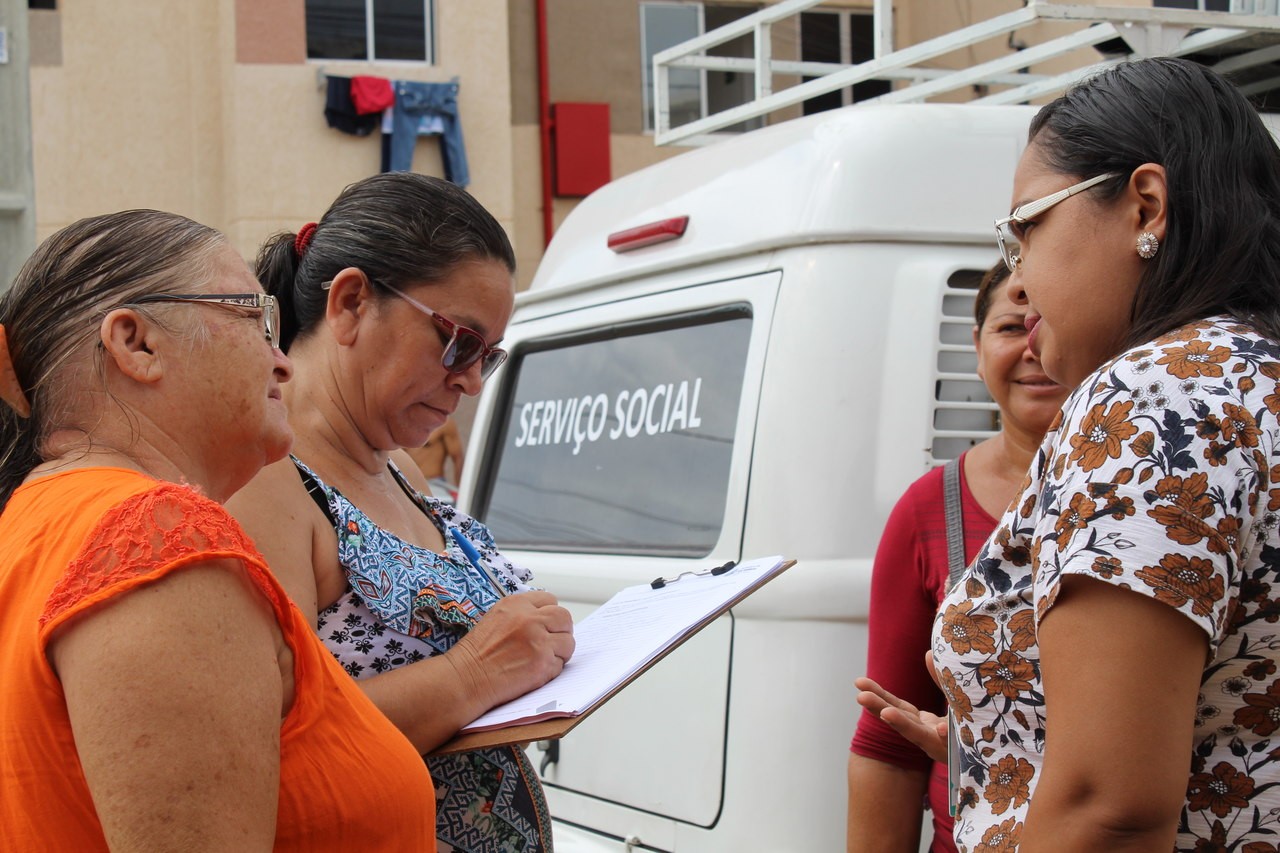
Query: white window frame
x=646 y=63
x=429 y=13
x=844 y=18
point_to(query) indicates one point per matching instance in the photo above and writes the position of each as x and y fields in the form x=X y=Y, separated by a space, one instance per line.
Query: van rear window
x=619 y=440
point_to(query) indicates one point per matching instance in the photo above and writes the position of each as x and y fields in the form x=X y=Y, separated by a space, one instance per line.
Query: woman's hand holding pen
x=522 y=643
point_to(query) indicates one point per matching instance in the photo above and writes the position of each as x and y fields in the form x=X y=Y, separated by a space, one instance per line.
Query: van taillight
x=648 y=234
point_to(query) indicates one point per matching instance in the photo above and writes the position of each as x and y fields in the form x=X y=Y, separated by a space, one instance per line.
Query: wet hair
x=58 y=300
x=398 y=228
x=1221 y=249
x=991 y=281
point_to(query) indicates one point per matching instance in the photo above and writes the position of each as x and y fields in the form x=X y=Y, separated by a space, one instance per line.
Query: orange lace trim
x=144 y=536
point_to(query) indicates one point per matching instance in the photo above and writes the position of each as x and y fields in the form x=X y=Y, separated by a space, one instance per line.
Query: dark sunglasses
x=464 y=347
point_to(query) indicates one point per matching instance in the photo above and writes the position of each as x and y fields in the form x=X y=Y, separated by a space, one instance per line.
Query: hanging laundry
x=371 y=94
x=340 y=112
x=415 y=102
x=428 y=125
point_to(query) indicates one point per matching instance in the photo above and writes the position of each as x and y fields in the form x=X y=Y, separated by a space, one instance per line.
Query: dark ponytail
x=991 y=281
x=399 y=228
x=277 y=269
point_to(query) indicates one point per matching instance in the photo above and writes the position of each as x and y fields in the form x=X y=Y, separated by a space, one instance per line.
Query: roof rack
x=1243 y=43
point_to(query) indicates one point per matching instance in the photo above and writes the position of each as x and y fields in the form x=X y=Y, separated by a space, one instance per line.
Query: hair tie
x=10 y=388
x=303 y=240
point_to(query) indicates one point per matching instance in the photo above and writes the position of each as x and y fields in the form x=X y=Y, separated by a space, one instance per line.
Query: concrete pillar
x=17 y=201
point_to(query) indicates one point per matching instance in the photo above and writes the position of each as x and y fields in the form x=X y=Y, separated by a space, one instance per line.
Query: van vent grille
x=963 y=412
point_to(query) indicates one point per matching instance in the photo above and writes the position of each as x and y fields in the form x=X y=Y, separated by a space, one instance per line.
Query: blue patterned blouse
x=405 y=604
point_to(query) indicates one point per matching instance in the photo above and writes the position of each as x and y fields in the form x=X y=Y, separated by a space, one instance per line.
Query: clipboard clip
x=659 y=583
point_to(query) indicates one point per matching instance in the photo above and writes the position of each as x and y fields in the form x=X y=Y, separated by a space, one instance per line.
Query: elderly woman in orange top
x=160 y=691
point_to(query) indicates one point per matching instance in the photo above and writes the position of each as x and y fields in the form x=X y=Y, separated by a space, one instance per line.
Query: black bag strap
x=413 y=494
x=955 y=521
x=317 y=492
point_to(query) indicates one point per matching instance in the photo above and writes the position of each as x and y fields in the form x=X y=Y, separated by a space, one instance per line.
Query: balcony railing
x=1246 y=39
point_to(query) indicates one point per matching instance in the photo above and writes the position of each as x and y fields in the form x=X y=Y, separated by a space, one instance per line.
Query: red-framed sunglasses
x=463 y=348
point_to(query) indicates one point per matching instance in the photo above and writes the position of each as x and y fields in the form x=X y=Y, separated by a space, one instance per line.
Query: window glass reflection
x=336 y=29
x=400 y=29
x=622 y=445
x=666 y=26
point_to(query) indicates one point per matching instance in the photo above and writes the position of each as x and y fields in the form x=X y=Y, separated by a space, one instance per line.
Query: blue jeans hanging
x=413 y=100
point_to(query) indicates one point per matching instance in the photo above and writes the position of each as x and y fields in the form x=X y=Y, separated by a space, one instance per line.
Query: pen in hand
x=474 y=558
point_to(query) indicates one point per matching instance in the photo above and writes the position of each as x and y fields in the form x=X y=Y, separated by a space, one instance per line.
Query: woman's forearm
x=428 y=700
x=886 y=804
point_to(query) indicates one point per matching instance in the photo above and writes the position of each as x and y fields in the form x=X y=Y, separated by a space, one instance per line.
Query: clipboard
x=556 y=727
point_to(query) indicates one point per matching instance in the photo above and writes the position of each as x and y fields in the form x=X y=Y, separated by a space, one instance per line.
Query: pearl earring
x=1148 y=245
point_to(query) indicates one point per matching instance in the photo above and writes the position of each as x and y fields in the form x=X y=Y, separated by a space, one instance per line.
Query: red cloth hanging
x=371 y=94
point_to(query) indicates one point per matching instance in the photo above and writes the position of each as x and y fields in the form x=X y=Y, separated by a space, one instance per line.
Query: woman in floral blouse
x=1110 y=658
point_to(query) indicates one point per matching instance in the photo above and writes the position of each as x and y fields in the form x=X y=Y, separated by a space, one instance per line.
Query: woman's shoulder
x=273 y=495
x=289 y=527
x=153 y=528
x=1187 y=399
x=926 y=490
x=117 y=502
x=1206 y=359
x=919 y=509
x=1193 y=353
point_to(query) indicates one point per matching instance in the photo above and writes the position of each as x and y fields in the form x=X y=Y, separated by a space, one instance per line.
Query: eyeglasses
x=465 y=346
x=1009 y=230
x=267 y=304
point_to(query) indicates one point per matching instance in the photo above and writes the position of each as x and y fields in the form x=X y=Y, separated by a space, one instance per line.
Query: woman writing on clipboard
x=392 y=308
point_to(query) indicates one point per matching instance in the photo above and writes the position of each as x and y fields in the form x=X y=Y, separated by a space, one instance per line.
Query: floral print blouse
x=1161 y=476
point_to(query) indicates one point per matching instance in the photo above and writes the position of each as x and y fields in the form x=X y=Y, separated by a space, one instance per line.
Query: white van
x=776 y=344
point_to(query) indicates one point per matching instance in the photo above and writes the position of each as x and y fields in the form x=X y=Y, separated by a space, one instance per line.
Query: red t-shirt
x=371 y=94
x=907 y=582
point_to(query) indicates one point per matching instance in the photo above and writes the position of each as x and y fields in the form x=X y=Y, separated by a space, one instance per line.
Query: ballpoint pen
x=474 y=558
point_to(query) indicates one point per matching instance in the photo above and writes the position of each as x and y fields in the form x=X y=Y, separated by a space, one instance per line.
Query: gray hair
x=52 y=311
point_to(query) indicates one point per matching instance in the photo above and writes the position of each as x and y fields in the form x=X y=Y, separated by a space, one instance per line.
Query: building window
x=1201 y=5
x=694 y=94
x=42 y=4
x=844 y=37
x=372 y=30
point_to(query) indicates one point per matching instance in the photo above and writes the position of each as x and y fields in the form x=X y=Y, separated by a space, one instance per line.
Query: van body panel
x=693 y=678
x=935 y=173
x=675 y=759
x=853 y=240
x=572 y=835
x=853 y=403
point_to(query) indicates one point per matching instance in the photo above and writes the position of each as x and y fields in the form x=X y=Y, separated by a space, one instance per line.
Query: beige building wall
x=210 y=108
x=122 y=102
x=594 y=54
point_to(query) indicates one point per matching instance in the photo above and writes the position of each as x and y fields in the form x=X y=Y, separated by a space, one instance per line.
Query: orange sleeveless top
x=349 y=780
